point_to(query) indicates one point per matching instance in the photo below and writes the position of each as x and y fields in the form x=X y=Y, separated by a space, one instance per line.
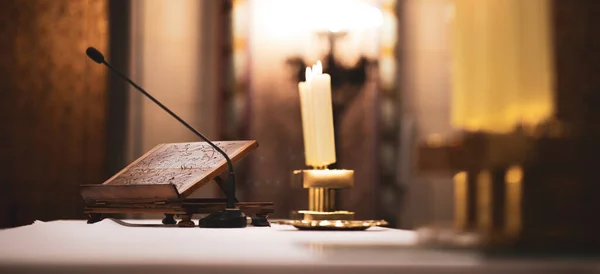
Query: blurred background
x=429 y=96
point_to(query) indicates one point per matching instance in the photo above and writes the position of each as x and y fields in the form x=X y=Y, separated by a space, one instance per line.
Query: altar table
x=112 y=246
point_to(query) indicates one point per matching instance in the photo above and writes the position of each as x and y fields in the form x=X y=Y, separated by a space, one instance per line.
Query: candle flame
x=308 y=74
x=318 y=68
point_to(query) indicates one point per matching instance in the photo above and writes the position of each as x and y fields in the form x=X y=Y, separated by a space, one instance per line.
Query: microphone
x=231 y=217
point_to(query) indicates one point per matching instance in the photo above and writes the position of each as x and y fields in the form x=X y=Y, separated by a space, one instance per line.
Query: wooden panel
x=52 y=107
x=577 y=60
x=195 y=206
x=128 y=192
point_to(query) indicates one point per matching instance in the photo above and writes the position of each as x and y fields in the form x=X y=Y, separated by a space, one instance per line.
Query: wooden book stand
x=161 y=180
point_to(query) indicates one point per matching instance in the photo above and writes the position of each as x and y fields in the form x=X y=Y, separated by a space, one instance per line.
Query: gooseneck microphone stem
x=231 y=176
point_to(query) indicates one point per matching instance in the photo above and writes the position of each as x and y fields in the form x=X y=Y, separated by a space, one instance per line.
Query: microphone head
x=95 y=55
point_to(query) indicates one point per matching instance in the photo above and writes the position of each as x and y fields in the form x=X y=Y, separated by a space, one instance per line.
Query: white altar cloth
x=112 y=247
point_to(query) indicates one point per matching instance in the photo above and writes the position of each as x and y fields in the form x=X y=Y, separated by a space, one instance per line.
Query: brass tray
x=333 y=224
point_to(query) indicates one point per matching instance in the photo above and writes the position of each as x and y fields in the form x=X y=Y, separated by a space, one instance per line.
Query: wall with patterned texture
x=52 y=107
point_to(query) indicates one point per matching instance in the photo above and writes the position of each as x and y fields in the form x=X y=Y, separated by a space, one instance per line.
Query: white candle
x=317 y=117
x=307 y=120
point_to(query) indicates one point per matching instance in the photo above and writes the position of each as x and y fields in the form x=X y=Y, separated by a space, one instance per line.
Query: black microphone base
x=228 y=218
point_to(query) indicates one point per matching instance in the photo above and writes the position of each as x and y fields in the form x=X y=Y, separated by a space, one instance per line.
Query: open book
x=182 y=167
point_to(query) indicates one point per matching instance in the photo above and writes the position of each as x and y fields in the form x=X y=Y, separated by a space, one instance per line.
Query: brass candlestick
x=319 y=145
x=321 y=213
x=321 y=185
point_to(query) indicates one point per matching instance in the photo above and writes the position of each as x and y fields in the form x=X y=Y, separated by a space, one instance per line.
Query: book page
x=182 y=164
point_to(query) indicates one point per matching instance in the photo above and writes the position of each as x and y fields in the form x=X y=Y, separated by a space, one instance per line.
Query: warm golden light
x=435 y=140
x=461 y=193
x=484 y=200
x=502 y=67
x=514 y=196
x=514 y=175
x=331 y=15
x=327 y=178
x=282 y=28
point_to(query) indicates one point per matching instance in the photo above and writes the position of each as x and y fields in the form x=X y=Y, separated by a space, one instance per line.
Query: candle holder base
x=321 y=213
x=333 y=224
